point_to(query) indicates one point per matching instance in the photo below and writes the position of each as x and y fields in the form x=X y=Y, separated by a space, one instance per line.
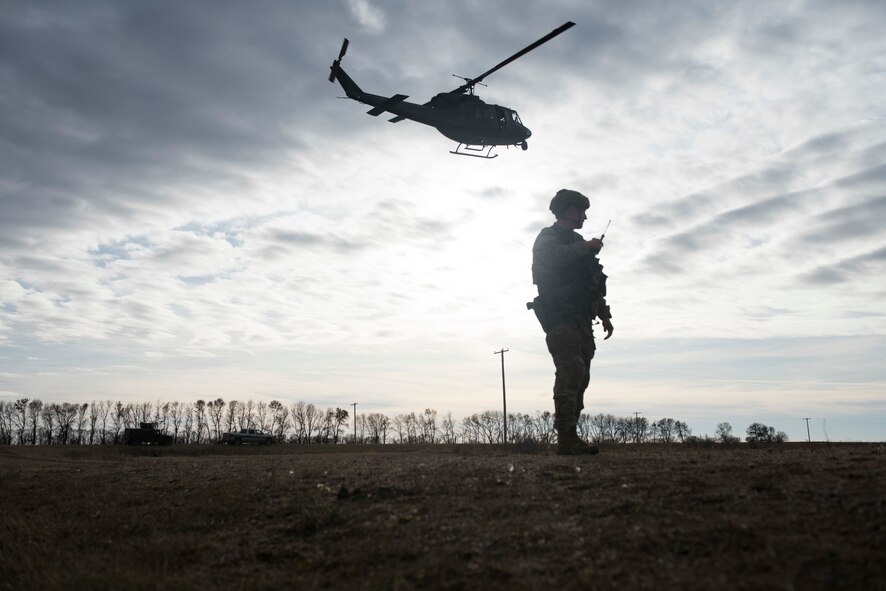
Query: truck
x=256 y=436
x=145 y=434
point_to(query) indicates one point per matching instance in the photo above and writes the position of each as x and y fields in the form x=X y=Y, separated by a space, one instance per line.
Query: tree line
x=31 y=422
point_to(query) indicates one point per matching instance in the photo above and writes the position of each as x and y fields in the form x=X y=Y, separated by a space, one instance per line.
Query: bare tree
x=683 y=431
x=93 y=421
x=341 y=418
x=48 y=415
x=724 y=434
x=490 y=425
x=326 y=426
x=448 y=429
x=19 y=418
x=428 y=425
x=760 y=433
x=665 y=429
x=412 y=428
x=313 y=418
x=35 y=407
x=399 y=425
x=362 y=427
x=639 y=429
x=470 y=429
x=189 y=424
x=279 y=419
x=142 y=413
x=176 y=415
x=80 y=422
x=23 y=421
x=299 y=421
x=262 y=415
x=64 y=415
x=544 y=426
x=246 y=415
x=6 y=423
x=161 y=416
x=520 y=428
x=585 y=426
x=378 y=425
x=231 y=416
x=609 y=427
x=199 y=419
x=215 y=409
x=118 y=419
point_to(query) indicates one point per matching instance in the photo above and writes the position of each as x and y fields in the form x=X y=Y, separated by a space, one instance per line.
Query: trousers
x=571 y=345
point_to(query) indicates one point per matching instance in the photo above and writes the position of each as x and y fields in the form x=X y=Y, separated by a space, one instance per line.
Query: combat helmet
x=566 y=198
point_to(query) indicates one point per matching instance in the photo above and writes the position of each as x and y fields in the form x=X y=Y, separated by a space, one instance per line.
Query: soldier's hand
x=594 y=244
x=607 y=326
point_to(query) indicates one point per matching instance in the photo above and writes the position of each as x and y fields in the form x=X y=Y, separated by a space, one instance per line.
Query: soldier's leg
x=564 y=344
x=588 y=347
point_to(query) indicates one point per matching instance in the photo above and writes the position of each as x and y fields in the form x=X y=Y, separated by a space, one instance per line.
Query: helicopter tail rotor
x=336 y=63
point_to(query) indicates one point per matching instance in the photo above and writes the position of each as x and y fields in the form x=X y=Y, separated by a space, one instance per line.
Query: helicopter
x=459 y=114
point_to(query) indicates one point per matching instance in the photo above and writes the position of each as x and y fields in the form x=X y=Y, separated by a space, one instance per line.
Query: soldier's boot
x=568 y=441
x=570 y=444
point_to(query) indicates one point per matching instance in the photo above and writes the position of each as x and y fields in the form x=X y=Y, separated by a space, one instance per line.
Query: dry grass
x=367 y=517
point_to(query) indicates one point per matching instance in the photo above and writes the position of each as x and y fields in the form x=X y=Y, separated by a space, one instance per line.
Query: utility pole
x=504 y=398
x=354 y=404
x=808 y=436
x=637 y=426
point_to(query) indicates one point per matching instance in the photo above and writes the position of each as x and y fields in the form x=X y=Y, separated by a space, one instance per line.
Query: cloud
x=869 y=264
x=307 y=239
x=130 y=112
x=846 y=223
x=179 y=180
x=832 y=176
x=369 y=16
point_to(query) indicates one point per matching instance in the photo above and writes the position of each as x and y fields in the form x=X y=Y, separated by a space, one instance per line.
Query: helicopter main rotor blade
x=472 y=81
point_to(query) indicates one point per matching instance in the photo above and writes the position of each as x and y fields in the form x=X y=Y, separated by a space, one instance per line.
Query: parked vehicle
x=146 y=434
x=256 y=436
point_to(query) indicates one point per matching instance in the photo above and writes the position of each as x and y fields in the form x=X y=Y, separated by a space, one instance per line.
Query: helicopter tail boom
x=337 y=73
x=348 y=85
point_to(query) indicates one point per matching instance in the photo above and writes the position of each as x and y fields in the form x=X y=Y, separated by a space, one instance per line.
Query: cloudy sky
x=188 y=211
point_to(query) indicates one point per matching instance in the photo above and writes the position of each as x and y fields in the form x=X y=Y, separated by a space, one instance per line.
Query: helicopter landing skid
x=466 y=149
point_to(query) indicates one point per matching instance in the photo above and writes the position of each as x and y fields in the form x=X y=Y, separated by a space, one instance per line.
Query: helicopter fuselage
x=458 y=114
x=463 y=118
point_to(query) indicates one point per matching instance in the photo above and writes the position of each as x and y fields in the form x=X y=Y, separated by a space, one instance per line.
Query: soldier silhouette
x=571 y=294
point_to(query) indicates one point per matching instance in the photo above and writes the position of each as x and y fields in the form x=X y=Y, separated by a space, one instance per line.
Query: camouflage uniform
x=571 y=293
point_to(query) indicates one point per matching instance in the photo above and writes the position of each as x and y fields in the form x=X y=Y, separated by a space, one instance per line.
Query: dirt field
x=790 y=516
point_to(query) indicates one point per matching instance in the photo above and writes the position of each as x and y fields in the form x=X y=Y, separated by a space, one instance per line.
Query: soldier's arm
x=605 y=316
x=552 y=253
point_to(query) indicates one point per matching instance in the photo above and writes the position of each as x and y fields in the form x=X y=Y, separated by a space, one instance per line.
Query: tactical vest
x=568 y=289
